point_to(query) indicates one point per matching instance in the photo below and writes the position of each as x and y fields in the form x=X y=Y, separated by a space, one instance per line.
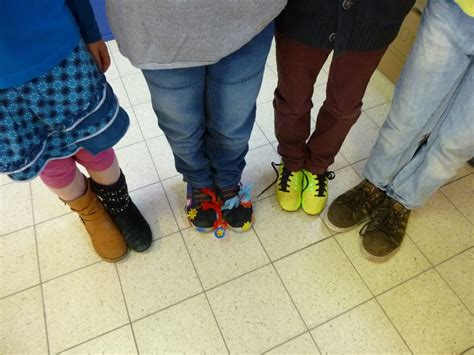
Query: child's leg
x=108 y=182
x=66 y=181
x=103 y=167
x=63 y=178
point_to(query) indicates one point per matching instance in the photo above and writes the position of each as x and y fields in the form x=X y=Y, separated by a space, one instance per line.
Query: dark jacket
x=360 y=25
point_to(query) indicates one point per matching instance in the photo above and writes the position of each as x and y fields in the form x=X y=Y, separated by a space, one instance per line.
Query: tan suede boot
x=105 y=237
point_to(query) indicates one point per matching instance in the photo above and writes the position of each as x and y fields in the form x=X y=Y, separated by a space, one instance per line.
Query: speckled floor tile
x=360 y=139
x=147 y=120
x=159 y=277
x=379 y=113
x=219 y=260
x=461 y=194
x=175 y=189
x=153 y=204
x=254 y=312
x=83 y=305
x=439 y=229
x=22 y=330
x=281 y=232
x=322 y=282
x=46 y=205
x=119 y=91
x=136 y=88
x=188 y=327
x=363 y=330
x=15 y=207
x=163 y=157
x=138 y=172
x=406 y=263
x=18 y=262
x=458 y=273
x=425 y=308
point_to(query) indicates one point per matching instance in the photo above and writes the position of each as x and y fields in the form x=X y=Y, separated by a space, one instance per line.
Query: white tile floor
x=287 y=286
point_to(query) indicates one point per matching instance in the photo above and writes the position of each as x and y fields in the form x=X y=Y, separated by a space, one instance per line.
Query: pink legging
x=60 y=173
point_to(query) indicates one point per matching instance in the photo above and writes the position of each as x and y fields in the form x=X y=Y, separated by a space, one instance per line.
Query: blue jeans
x=207 y=113
x=429 y=133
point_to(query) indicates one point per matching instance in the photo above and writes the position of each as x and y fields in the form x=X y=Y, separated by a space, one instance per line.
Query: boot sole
x=117 y=259
x=339 y=229
x=374 y=258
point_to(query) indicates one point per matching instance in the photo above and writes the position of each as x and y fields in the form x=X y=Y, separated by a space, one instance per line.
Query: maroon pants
x=298 y=68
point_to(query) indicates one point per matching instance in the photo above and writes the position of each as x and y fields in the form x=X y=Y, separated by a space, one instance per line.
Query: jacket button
x=347 y=4
x=332 y=37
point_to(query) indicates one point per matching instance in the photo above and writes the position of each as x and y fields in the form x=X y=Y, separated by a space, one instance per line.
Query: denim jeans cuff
x=391 y=193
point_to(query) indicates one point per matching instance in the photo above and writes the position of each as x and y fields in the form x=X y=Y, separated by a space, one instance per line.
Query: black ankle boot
x=124 y=213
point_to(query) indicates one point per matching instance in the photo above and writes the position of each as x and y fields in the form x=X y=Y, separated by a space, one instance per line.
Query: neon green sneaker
x=315 y=194
x=289 y=188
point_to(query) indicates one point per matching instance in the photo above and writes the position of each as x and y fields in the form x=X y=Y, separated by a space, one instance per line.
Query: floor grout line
x=126 y=307
x=287 y=341
x=17 y=230
x=20 y=291
x=93 y=338
x=434 y=267
x=452 y=257
x=39 y=271
x=81 y=268
x=284 y=286
x=372 y=293
x=153 y=313
x=452 y=202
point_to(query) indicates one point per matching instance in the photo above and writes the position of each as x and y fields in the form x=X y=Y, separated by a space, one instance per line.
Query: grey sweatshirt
x=162 y=34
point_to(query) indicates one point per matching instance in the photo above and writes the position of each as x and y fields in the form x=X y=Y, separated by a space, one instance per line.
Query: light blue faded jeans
x=207 y=113
x=433 y=103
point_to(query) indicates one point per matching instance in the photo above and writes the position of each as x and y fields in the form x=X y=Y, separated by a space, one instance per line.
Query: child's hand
x=100 y=53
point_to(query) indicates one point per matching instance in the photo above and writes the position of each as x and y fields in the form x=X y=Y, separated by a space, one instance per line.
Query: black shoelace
x=322 y=183
x=285 y=177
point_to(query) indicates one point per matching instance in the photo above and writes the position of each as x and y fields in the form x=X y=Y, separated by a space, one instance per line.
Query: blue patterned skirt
x=56 y=114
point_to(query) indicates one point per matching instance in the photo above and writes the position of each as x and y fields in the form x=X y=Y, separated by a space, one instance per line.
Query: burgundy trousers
x=298 y=68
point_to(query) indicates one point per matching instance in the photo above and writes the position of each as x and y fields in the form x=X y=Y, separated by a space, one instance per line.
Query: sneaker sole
x=115 y=260
x=312 y=214
x=239 y=229
x=339 y=229
x=199 y=229
x=202 y=230
x=290 y=210
x=374 y=258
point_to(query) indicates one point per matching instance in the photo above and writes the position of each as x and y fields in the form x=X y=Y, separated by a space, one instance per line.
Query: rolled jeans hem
x=391 y=193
